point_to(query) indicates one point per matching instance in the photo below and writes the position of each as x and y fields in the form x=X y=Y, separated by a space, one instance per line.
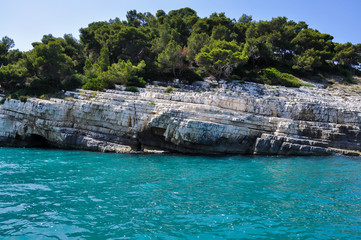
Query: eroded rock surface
x=232 y=119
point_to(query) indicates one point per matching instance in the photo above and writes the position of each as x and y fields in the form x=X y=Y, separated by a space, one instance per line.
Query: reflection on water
x=47 y=194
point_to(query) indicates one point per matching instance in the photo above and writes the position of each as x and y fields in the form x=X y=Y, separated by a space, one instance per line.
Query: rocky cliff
x=234 y=118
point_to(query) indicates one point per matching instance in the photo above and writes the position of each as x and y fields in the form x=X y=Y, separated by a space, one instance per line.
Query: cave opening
x=37 y=141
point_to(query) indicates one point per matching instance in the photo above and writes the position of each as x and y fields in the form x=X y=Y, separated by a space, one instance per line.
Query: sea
x=57 y=194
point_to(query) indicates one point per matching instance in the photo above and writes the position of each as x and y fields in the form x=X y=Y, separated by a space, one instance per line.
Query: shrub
x=96 y=84
x=37 y=86
x=70 y=82
x=214 y=85
x=235 y=77
x=272 y=76
x=45 y=97
x=23 y=99
x=189 y=76
x=169 y=89
x=124 y=72
x=136 y=81
x=131 y=89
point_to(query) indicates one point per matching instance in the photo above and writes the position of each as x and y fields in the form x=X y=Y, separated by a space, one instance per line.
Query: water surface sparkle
x=51 y=194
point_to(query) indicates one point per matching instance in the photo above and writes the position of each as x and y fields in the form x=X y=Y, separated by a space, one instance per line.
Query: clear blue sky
x=26 y=21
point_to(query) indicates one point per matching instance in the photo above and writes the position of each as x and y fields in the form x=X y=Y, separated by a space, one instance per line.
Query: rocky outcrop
x=234 y=118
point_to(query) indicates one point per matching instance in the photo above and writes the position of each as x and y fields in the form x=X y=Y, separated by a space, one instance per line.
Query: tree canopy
x=180 y=44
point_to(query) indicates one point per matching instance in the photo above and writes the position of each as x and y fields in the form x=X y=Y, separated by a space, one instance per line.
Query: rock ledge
x=234 y=118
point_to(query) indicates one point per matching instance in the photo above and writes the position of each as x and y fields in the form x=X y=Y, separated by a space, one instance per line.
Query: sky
x=26 y=21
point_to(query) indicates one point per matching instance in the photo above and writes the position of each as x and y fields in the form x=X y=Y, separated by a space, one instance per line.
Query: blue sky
x=26 y=21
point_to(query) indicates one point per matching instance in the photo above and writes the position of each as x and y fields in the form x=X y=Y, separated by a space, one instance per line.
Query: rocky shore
x=233 y=118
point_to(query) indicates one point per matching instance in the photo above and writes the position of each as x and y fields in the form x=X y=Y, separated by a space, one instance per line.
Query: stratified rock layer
x=232 y=119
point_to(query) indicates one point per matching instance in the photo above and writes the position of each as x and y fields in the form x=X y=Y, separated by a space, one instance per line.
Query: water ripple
x=82 y=195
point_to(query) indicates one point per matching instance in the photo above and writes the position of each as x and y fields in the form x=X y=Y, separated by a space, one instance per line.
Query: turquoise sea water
x=53 y=194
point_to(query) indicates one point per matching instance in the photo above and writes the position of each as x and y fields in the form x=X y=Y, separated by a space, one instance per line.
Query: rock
x=202 y=85
x=235 y=118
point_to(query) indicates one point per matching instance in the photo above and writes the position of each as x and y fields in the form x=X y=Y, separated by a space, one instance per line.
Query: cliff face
x=232 y=119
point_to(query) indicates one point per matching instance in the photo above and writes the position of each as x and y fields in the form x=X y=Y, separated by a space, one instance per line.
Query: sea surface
x=54 y=194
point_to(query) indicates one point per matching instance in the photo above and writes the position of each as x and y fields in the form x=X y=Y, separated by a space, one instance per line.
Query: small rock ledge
x=234 y=118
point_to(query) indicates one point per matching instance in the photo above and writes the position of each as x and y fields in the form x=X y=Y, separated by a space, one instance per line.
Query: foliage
x=6 y=44
x=169 y=89
x=195 y=43
x=307 y=61
x=220 y=57
x=272 y=76
x=175 y=44
x=132 y=89
x=172 y=58
x=125 y=73
x=348 y=54
x=190 y=75
x=96 y=84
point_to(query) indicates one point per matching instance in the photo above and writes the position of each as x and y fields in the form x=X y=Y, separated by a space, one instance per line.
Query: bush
x=189 y=76
x=37 y=86
x=272 y=76
x=253 y=76
x=137 y=82
x=132 y=89
x=45 y=97
x=348 y=76
x=96 y=84
x=214 y=85
x=23 y=99
x=125 y=73
x=235 y=77
x=70 y=83
x=169 y=89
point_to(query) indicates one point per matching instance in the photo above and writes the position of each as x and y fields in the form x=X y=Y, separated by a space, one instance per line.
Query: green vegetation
x=132 y=89
x=169 y=89
x=178 y=44
x=272 y=76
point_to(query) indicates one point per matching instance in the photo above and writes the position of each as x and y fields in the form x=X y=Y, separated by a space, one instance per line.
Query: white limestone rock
x=235 y=118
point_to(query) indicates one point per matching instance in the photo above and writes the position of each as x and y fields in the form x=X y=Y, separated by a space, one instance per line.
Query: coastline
x=234 y=118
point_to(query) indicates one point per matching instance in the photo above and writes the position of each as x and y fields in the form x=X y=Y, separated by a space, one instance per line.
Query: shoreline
x=232 y=119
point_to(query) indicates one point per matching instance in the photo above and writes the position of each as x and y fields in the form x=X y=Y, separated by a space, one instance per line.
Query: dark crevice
x=37 y=141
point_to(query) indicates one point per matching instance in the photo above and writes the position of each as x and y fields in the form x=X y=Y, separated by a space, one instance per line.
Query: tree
x=251 y=46
x=160 y=16
x=136 y=19
x=171 y=58
x=195 y=43
x=124 y=72
x=245 y=18
x=166 y=34
x=221 y=32
x=48 y=63
x=201 y=26
x=13 y=76
x=6 y=44
x=220 y=57
x=348 y=54
x=93 y=38
x=75 y=50
x=48 y=38
x=308 y=61
x=103 y=60
x=13 y=56
x=179 y=43
x=182 y=20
